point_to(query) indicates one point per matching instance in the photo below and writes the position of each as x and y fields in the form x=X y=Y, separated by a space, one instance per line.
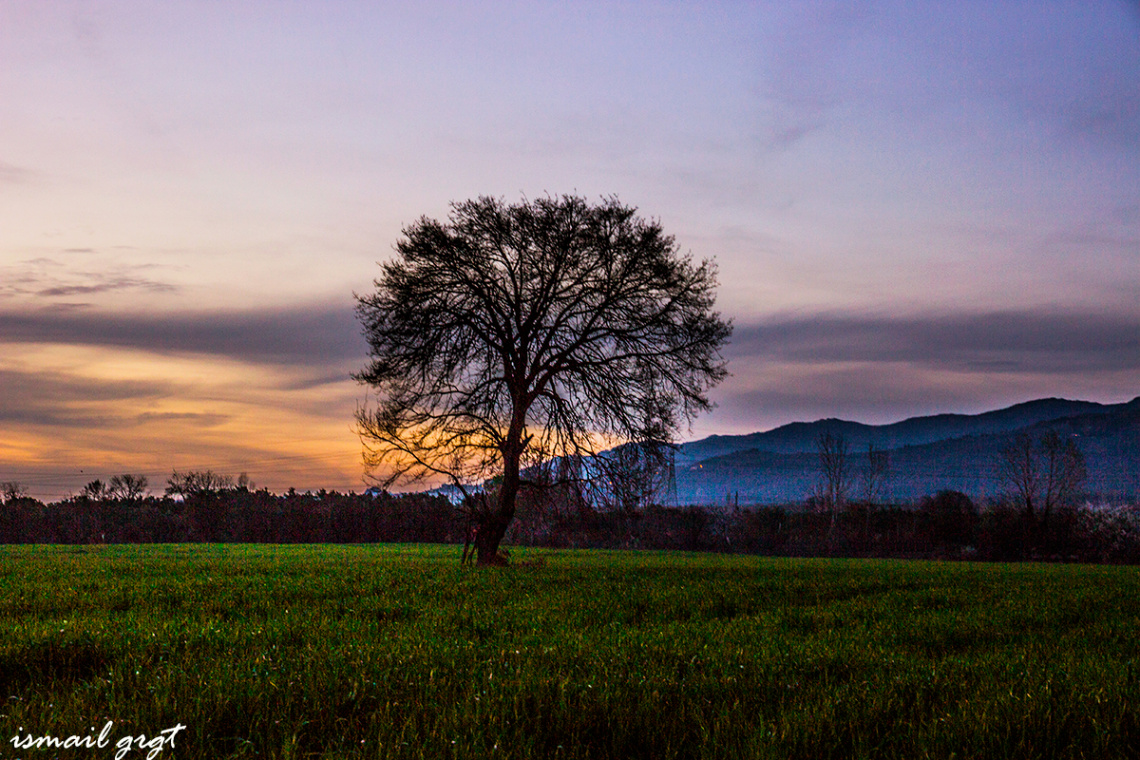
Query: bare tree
x=127 y=487
x=1063 y=472
x=873 y=475
x=876 y=467
x=511 y=335
x=96 y=490
x=1042 y=475
x=11 y=491
x=197 y=483
x=1019 y=471
x=834 y=472
x=636 y=475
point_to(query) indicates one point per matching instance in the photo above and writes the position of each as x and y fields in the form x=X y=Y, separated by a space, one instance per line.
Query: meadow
x=376 y=651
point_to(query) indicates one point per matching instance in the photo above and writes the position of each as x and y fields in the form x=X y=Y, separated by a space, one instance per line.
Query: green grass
x=397 y=651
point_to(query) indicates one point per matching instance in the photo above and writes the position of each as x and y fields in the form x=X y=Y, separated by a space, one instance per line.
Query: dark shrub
x=1003 y=532
x=949 y=519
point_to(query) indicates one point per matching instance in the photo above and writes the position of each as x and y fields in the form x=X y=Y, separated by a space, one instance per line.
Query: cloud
x=877 y=368
x=11 y=174
x=108 y=285
x=1082 y=76
x=63 y=401
x=196 y=418
x=317 y=381
x=312 y=336
x=45 y=277
x=1026 y=341
x=803 y=79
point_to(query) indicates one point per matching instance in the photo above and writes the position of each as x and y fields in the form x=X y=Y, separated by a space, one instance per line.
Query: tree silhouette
x=127 y=487
x=835 y=472
x=514 y=334
x=197 y=483
x=11 y=492
x=1063 y=472
x=1043 y=475
x=876 y=468
x=96 y=490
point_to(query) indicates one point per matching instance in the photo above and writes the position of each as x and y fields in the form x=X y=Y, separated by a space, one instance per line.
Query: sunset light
x=914 y=207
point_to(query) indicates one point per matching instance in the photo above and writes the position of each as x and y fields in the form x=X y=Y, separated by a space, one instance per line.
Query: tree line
x=204 y=507
x=1041 y=481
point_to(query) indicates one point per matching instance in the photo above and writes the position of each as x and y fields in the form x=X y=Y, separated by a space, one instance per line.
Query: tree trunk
x=487 y=538
x=494 y=526
x=1030 y=528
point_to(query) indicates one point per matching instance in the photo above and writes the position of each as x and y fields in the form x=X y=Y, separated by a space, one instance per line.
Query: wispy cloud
x=196 y=418
x=801 y=85
x=108 y=285
x=878 y=368
x=11 y=174
x=45 y=277
x=1090 y=96
x=314 y=336
x=65 y=401
x=1025 y=341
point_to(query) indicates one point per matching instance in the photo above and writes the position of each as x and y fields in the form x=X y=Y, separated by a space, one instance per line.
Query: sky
x=915 y=207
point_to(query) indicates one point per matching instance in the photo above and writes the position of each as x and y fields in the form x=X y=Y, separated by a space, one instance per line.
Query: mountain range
x=927 y=454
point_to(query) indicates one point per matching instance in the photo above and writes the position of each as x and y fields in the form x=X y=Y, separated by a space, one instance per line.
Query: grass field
x=397 y=651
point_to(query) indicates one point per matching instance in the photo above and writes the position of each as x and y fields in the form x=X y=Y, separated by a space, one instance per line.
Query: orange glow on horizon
x=95 y=412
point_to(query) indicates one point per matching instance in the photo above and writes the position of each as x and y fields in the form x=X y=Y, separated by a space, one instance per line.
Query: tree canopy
x=511 y=335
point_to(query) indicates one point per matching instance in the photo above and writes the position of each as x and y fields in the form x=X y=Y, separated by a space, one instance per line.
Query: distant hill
x=928 y=454
x=801 y=437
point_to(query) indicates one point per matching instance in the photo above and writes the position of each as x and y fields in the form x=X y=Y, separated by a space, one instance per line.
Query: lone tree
x=835 y=472
x=1043 y=475
x=512 y=335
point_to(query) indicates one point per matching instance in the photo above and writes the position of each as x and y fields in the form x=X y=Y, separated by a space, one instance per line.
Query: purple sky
x=915 y=207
